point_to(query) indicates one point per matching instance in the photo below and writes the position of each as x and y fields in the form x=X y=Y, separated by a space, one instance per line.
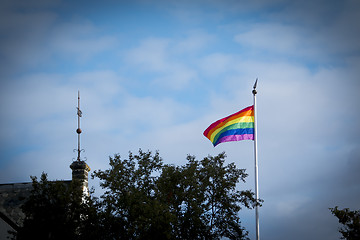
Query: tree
x=145 y=199
x=57 y=210
x=350 y=220
x=203 y=197
x=130 y=204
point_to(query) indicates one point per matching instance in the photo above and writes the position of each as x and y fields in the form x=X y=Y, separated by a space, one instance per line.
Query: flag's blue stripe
x=239 y=131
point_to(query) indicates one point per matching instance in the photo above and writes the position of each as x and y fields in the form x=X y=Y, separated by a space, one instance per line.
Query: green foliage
x=351 y=222
x=148 y=200
x=130 y=201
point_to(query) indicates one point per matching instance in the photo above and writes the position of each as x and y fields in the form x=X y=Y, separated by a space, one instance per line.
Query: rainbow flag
x=236 y=127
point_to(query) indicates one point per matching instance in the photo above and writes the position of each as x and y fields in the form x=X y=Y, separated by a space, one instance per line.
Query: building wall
x=4 y=230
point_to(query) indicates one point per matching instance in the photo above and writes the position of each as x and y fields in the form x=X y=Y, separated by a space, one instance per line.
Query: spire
x=80 y=169
x=78 y=130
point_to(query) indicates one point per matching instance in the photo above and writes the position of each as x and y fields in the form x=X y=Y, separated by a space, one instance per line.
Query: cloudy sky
x=155 y=74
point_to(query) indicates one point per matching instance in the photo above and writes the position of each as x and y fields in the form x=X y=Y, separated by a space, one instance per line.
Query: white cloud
x=217 y=63
x=317 y=30
x=23 y=38
x=177 y=77
x=288 y=207
x=35 y=38
x=80 y=40
x=156 y=56
x=151 y=54
x=193 y=42
x=343 y=33
x=276 y=38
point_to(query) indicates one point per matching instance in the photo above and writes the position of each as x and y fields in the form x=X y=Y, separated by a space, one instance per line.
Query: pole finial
x=254 y=88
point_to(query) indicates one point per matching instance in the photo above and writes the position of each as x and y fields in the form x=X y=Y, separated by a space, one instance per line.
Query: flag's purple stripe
x=235 y=132
x=231 y=138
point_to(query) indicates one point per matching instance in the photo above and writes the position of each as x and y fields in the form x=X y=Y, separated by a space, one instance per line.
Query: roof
x=12 y=196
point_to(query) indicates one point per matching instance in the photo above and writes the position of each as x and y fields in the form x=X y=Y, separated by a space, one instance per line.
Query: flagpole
x=256 y=164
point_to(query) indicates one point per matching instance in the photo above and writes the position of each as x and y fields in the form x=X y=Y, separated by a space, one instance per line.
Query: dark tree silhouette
x=57 y=210
x=143 y=199
x=148 y=200
x=350 y=221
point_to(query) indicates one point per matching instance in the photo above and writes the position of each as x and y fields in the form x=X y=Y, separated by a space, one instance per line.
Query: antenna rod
x=78 y=130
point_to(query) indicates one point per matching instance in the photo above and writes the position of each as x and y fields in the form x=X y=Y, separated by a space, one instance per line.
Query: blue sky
x=155 y=74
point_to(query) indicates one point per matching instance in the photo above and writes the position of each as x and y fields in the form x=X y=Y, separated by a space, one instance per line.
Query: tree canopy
x=144 y=198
